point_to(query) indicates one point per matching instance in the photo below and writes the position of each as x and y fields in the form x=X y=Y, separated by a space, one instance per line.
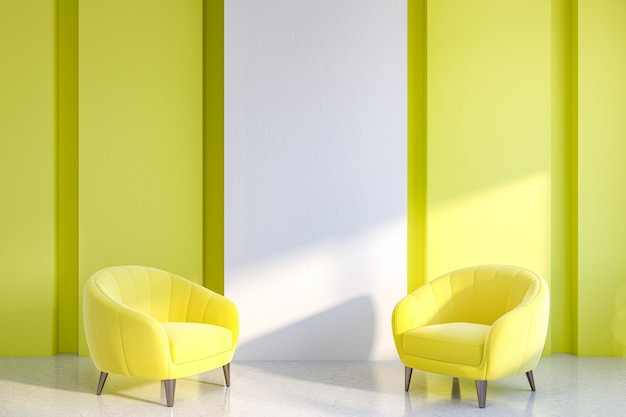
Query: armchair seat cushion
x=196 y=341
x=457 y=342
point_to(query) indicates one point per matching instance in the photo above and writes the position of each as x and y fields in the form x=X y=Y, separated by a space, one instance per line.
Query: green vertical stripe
x=67 y=246
x=214 y=145
x=561 y=202
x=574 y=176
x=416 y=143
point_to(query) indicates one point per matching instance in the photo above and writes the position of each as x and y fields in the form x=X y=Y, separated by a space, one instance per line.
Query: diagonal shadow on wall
x=315 y=339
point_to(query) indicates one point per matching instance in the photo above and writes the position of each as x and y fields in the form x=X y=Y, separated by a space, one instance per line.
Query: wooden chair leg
x=456 y=389
x=226 y=369
x=103 y=379
x=531 y=379
x=481 y=390
x=170 y=390
x=407 y=377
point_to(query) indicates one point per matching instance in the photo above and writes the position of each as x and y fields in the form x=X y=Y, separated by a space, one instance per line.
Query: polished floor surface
x=65 y=385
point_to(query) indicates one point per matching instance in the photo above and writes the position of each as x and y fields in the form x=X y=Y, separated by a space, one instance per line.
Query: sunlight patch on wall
x=508 y=224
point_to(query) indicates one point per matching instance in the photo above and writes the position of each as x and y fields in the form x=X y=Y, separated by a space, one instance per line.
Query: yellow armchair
x=148 y=323
x=483 y=323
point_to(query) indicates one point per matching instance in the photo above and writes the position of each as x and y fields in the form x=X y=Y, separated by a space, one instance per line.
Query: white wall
x=315 y=175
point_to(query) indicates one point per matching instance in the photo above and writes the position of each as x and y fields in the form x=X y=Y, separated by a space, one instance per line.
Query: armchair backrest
x=478 y=294
x=164 y=296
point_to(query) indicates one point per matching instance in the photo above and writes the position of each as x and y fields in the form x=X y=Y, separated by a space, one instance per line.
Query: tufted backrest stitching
x=481 y=294
x=162 y=295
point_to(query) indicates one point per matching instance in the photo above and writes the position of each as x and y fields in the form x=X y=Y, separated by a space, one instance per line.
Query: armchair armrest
x=515 y=341
x=417 y=309
x=414 y=310
x=506 y=344
x=145 y=344
x=207 y=306
x=122 y=340
x=221 y=311
x=407 y=314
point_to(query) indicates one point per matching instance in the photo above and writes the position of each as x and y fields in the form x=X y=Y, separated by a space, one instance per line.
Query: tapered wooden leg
x=103 y=379
x=407 y=377
x=226 y=369
x=481 y=390
x=531 y=379
x=456 y=389
x=170 y=389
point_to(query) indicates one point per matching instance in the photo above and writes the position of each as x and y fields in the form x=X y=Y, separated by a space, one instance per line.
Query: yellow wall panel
x=27 y=178
x=601 y=288
x=140 y=136
x=489 y=137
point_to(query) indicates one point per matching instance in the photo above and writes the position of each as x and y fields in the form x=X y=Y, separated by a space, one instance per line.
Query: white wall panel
x=315 y=175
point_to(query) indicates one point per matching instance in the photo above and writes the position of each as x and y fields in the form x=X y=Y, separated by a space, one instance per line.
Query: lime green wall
x=28 y=131
x=508 y=102
x=140 y=136
x=134 y=183
x=601 y=177
x=488 y=134
x=525 y=143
